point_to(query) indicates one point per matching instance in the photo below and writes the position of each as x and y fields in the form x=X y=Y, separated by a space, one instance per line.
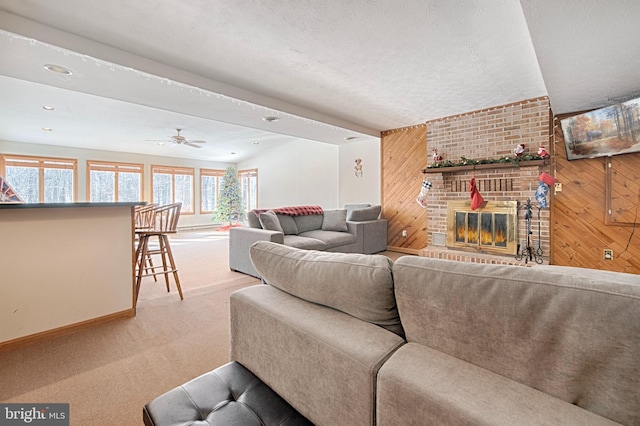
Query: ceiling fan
x=178 y=139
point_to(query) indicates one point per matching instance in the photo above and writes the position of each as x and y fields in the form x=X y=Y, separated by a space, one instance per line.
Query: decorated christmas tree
x=230 y=206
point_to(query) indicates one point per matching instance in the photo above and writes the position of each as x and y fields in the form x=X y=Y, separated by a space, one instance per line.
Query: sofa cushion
x=335 y=220
x=269 y=221
x=253 y=220
x=306 y=243
x=331 y=239
x=364 y=214
x=359 y=285
x=418 y=383
x=288 y=225
x=308 y=223
x=572 y=336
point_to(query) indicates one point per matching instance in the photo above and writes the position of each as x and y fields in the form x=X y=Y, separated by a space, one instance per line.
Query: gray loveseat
x=357 y=228
x=349 y=339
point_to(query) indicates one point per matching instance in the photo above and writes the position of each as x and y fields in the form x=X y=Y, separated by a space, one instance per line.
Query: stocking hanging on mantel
x=424 y=190
x=476 y=198
x=544 y=182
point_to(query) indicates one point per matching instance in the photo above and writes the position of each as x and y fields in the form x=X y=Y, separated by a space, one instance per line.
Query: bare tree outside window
x=41 y=179
x=173 y=185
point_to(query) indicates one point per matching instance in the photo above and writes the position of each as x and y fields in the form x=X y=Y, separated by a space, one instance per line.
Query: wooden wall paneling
x=622 y=190
x=404 y=155
x=579 y=225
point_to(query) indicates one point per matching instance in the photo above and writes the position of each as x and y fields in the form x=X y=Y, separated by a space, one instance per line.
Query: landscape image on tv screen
x=603 y=132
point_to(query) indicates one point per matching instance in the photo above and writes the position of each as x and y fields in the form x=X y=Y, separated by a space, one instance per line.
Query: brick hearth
x=463 y=256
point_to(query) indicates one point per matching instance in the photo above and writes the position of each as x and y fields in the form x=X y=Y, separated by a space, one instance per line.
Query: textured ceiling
x=360 y=66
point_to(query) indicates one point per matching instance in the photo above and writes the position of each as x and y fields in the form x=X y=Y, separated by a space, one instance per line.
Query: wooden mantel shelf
x=453 y=169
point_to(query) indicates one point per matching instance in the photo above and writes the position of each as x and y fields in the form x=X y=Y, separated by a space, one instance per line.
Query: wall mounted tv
x=603 y=132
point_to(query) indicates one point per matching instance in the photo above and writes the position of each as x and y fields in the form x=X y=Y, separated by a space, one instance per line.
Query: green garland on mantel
x=470 y=162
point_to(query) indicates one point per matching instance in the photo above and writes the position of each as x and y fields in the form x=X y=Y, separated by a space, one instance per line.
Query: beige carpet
x=108 y=373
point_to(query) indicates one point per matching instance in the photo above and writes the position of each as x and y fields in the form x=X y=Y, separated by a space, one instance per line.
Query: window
x=210 y=181
x=249 y=187
x=112 y=182
x=173 y=185
x=41 y=179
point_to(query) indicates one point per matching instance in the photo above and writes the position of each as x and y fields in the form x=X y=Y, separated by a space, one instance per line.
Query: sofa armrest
x=240 y=239
x=371 y=234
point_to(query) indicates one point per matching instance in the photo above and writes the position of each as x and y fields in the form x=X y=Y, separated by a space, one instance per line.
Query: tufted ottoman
x=229 y=395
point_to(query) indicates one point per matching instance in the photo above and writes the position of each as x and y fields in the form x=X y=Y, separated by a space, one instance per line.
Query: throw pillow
x=253 y=220
x=368 y=213
x=335 y=220
x=269 y=221
x=288 y=224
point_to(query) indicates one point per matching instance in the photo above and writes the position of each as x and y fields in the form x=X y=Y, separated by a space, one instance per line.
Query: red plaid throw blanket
x=293 y=211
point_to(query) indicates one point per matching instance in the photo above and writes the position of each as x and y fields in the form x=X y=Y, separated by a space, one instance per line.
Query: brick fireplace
x=491 y=133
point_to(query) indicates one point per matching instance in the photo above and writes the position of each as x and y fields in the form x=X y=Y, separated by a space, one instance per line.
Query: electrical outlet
x=558 y=187
x=404 y=233
x=608 y=254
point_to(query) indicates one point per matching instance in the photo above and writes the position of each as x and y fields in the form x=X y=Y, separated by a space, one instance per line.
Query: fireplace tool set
x=527 y=251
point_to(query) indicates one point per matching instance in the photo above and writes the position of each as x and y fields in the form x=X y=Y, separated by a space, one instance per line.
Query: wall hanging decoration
x=358 y=167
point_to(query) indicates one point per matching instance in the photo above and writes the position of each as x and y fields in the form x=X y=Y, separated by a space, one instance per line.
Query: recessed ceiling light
x=58 y=69
x=270 y=119
x=161 y=143
x=256 y=143
x=232 y=153
x=47 y=108
x=47 y=129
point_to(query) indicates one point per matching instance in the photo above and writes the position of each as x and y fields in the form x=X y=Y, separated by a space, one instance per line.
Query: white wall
x=365 y=189
x=302 y=172
x=82 y=155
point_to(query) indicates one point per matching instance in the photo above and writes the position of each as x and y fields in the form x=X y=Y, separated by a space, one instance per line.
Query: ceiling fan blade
x=196 y=141
x=192 y=144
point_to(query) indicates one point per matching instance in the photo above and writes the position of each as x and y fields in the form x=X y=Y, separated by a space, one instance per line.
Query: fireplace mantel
x=487 y=166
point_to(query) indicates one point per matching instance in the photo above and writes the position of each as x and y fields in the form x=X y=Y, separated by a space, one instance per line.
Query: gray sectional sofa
x=349 y=339
x=357 y=228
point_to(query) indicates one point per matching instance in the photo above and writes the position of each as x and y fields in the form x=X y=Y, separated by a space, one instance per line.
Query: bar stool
x=143 y=220
x=164 y=222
